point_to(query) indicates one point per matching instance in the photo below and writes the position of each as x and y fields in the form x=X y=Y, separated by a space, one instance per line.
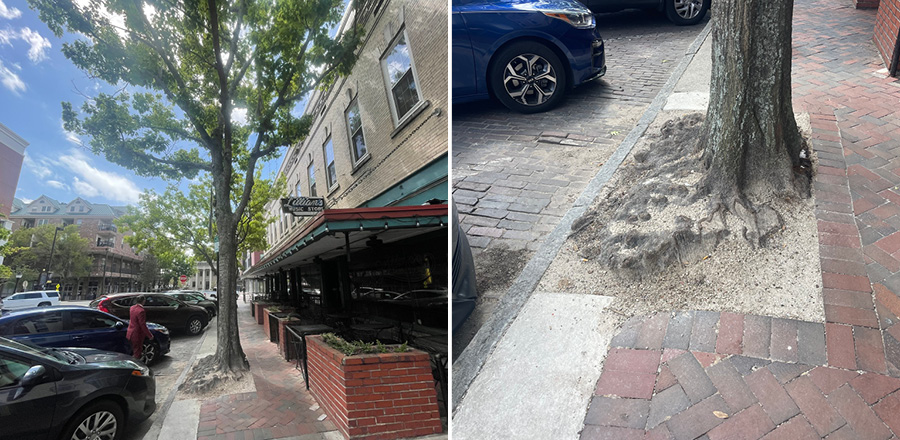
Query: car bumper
x=141 y=398
x=588 y=61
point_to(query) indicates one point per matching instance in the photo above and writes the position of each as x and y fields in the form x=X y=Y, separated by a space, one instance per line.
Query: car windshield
x=44 y=353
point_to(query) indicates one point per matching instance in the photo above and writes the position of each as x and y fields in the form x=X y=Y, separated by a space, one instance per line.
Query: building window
x=42 y=222
x=330 y=171
x=357 y=139
x=78 y=221
x=311 y=172
x=400 y=75
x=81 y=209
x=299 y=191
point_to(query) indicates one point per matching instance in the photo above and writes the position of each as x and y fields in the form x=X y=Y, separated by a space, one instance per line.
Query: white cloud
x=90 y=181
x=10 y=80
x=84 y=188
x=57 y=184
x=8 y=13
x=26 y=200
x=39 y=169
x=38 y=45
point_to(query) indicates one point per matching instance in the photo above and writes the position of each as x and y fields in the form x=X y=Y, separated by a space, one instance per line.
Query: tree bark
x=751 y=139
x=229 y=353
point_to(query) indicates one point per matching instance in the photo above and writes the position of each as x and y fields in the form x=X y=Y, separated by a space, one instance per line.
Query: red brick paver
x=280 y=406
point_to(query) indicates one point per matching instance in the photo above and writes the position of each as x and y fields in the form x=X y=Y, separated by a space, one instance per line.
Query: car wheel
x=195 y=325
x=150 y=353
x=528 y=77
x=44 y=304
x=686 y=12
x=101 y=420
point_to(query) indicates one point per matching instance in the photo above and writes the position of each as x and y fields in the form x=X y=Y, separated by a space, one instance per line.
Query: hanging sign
x=303 y=206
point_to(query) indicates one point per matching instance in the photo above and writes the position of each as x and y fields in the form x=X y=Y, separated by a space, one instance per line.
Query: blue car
x=82 y=327
x=526 y=53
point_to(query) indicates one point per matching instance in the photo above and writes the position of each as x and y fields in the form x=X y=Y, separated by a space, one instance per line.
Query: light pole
x=103 y=284
x=18 y=277
x=46 y=275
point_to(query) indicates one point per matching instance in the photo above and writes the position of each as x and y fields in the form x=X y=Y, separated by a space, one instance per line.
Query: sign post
x=303 y=206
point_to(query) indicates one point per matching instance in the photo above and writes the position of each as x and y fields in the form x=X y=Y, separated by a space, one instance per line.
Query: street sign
x=183 y=279
x=302 y=206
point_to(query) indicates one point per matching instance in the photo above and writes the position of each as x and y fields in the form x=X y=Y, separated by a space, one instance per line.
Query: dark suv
x=50 y=393
x=161 y=309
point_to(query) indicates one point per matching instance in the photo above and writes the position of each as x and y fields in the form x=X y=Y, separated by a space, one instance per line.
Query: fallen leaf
x=720 y=414
x=705 y=258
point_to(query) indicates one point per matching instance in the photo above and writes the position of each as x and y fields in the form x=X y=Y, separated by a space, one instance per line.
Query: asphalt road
x=166 y=370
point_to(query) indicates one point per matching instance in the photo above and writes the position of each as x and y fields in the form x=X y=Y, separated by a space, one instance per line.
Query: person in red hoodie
x=137 y=327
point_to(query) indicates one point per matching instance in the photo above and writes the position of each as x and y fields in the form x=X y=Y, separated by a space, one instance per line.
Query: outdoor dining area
x=376 y=358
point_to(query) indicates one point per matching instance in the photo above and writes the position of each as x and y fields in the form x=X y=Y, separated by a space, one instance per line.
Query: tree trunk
x=751 y=139
x=229 y=353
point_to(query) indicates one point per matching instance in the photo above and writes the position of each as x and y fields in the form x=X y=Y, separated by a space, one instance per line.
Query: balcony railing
x=106 y=243
x=106 y=227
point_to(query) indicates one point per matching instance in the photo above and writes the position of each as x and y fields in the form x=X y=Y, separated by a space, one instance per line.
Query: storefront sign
x=301 y=206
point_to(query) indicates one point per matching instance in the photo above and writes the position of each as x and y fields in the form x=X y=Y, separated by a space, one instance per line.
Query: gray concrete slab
x=181 y=420
x=539 y=381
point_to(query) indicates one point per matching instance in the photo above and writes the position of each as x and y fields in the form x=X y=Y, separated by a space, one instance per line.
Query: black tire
x=44 y=304
x=212 y=312
x=150 y=354
x=689 y=16
x=101 y=411
x=539 y=91
x=195 y=325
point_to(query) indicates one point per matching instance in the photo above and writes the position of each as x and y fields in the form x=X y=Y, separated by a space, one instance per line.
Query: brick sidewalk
x=778 y=378
x=280 y=406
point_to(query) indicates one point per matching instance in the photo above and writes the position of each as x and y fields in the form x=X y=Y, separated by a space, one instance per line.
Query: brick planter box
x=374 y=396
x=282 y=337
x=260 y=311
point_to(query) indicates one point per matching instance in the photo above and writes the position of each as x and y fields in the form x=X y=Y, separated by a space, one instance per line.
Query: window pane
x=88 y=320
x=398 y=61
x=311 y=171
x=354 y=125
x=331 y=174
x=11 y=371
x=46 y=323
x=299 y=192
x=405 y=96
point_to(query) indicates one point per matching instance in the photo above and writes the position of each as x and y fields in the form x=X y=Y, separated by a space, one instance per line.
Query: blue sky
x=35 y=78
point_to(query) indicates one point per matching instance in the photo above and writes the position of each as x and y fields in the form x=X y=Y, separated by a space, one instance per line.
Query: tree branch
x=177 y=163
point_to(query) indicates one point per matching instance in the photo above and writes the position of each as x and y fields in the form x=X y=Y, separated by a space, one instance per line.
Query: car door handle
x=77 y=338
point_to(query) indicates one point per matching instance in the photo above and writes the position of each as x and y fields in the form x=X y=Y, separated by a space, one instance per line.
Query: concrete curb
x=156 y=428
x=469 y=364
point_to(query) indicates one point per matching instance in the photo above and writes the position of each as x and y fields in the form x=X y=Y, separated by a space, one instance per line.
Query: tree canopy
x=28 y=252
x=185 y=70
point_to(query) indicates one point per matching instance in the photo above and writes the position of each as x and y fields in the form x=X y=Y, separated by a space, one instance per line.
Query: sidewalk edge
x=469 y=364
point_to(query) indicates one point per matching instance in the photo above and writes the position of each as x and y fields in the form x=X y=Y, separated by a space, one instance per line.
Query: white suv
x=24 y=300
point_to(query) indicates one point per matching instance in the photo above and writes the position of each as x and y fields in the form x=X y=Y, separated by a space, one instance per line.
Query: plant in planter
x=359 y=347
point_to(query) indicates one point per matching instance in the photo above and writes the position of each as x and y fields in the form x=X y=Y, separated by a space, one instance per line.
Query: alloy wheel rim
x=100 y=425
x=688 y=9
x=529 y=79
x=195 y=326
x=148 y=354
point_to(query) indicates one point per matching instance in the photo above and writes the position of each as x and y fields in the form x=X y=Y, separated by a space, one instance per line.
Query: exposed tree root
x=663 y=212
x=210 y=374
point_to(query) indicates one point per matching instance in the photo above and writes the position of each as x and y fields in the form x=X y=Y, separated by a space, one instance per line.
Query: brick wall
x=887 y=25
x=376 y=396
x=392 y=158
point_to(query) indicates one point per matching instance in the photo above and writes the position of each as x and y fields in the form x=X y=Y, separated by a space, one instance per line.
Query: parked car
x=27 y=300
x=526 y=53
x=465 y=292
x=77 y=326
x=161 y=309
x=680 y=12
x=71 y=393
x=196 y=299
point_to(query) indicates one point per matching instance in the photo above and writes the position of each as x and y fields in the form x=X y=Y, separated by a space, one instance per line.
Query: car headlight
x=578 y=19
x=139 y=370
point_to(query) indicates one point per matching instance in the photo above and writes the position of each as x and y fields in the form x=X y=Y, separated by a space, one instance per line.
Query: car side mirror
x=119 y=325
x=33 y=375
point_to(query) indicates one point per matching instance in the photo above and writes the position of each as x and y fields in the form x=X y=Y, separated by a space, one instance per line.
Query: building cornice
x=12 y=140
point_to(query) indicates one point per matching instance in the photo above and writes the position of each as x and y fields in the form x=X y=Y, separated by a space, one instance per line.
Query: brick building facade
x=887 y=33
x=115 y=267
x=12 y=154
